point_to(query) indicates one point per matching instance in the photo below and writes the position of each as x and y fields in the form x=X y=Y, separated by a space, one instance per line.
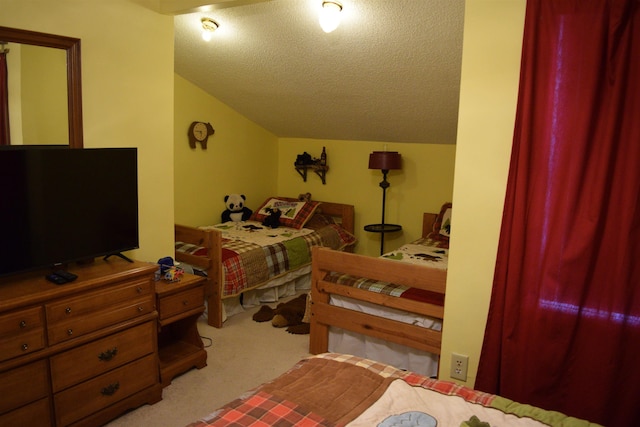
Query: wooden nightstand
x=180 y=347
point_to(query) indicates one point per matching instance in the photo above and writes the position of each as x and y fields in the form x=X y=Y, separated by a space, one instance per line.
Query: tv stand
x=119 y=255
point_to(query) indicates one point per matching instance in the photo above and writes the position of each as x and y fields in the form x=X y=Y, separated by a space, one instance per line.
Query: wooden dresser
x=81 y=353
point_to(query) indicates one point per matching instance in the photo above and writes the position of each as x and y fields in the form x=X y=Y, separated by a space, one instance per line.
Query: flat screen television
x=61 y=205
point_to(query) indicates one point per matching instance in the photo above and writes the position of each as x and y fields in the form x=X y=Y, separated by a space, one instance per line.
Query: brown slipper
x=265 y=314
x=301 y=329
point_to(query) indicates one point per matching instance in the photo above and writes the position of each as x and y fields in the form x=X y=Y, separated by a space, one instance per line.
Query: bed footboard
x=324 y=314
x=211 y=262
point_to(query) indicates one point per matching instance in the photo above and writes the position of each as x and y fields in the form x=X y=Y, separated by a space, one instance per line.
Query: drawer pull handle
x=140 y=309
x=185 y=302
x=110 y=389
x=23 y=324
x=25 y=347
x=69 y=331
x=106 y=356
x=67 y=310
x=139 y=289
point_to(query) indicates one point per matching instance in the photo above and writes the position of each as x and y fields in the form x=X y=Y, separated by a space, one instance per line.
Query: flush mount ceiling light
x=330 y=15
x=208 y=27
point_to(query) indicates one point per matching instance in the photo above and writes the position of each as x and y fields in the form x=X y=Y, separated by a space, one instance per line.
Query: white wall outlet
x=459 y=365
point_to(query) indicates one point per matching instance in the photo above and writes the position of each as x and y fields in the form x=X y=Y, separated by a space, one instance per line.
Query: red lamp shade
x=385 y=160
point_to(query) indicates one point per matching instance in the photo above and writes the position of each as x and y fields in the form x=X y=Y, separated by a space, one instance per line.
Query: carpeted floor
x=243 y=354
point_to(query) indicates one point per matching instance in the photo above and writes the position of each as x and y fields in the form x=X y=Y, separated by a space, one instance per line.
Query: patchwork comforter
x=253 y=254
x=341 y=390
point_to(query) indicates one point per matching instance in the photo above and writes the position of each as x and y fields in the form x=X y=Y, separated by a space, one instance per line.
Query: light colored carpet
x=243 y=355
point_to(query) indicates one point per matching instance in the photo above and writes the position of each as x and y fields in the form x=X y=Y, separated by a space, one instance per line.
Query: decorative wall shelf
x=320 y=170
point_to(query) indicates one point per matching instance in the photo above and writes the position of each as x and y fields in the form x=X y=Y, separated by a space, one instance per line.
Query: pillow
x=295 y=214
x=445 y=220
x=442 y=225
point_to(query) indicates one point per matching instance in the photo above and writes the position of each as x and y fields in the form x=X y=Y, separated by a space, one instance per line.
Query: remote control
x=66 y=275
x=54 y=278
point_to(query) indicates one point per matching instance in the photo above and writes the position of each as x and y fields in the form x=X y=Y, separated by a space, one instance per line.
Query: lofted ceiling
x=390 y=72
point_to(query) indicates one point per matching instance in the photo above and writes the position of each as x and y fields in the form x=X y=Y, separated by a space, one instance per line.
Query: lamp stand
x=384 y=161
x=383 y=227
x=384 y=184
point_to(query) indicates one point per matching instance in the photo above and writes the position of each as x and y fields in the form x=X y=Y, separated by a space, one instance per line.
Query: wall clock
x=199 y=132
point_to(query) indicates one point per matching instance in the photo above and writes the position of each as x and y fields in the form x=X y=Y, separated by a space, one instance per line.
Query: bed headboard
x=344 y=214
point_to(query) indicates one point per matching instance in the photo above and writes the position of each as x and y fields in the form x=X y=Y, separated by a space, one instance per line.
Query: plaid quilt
x=248 y=265
x=262 y=409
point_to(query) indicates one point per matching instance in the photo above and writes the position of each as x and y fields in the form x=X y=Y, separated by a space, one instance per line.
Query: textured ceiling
x=390 y=72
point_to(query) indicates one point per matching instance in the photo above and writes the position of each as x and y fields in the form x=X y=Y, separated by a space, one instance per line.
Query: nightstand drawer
x=22 y=332
x=181 y=302
x=91 y=396
x=95 y=358
x=111 y=315
x=22 y=385
x=35 y=414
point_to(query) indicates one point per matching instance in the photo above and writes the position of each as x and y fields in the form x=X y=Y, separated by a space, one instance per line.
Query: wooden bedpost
x=319 y=334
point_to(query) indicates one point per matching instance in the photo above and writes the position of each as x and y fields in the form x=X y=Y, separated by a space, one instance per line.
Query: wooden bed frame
x=212 y=241
x=324 y=315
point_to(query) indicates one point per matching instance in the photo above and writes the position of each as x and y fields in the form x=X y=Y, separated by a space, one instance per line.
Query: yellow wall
x=424 y=184
x=489 y=85
x=241 y=157
x=127 y=84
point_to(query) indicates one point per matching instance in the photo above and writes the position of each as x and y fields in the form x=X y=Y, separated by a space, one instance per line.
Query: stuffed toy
x=304 y=197
x=273 y=219
x=236 y=210
x=290 y=314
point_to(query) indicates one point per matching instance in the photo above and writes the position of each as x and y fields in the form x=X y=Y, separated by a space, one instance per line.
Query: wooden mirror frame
x=74 y=80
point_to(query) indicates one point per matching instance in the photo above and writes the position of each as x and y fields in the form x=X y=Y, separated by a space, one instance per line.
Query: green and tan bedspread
x=253 y=254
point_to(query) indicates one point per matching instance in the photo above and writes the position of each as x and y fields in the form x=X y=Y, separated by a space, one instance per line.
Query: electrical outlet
x=459 y=365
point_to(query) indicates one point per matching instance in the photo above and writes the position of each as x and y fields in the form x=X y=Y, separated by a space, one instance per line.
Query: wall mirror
x=43 y=96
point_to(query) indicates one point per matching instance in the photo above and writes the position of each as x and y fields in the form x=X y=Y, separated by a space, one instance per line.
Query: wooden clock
x=200 y=132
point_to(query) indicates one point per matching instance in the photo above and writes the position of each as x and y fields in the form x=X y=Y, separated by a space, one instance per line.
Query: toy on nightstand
x=173 y=274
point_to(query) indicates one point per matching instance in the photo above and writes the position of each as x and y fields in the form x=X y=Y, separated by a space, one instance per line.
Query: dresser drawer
x=21 y=321
x=21 y=332
x=81 y=306
x=22 y=385
x=36 y=414
x=87 y=361
x=181 y=302
x=18 y=345
x=109 y=315
x=93 y=395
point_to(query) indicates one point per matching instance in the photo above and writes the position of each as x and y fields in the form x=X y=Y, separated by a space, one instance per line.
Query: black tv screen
x=62 y=205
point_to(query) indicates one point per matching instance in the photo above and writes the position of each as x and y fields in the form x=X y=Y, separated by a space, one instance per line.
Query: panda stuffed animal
x=236 y=210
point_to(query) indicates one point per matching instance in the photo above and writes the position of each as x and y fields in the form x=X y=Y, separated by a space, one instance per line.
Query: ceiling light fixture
x=208 y=27
x=330 y=15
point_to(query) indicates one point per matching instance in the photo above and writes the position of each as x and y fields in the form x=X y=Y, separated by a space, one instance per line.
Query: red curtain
x=563 y=330
x=5 y=135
